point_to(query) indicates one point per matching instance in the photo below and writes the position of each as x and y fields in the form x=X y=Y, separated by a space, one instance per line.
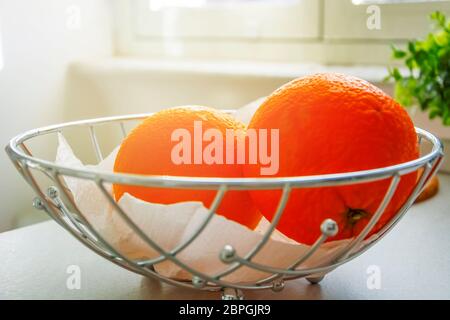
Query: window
x=227 y=19
x=368 y=2
x=322 y=31
x=400 y=19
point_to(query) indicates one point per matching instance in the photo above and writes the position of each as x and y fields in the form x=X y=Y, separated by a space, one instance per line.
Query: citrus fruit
x=333 y=123
x=149 y=148
x=430 y=189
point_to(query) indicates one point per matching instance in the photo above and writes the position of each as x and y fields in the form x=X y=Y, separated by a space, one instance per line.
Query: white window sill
x=131 y=85
x=272 y=70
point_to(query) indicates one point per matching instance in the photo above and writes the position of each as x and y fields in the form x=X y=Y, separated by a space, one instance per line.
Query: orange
x=333 y=123
x=147 y=150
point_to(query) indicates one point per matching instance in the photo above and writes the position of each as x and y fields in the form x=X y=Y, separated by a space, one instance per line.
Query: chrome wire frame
x=59 y=204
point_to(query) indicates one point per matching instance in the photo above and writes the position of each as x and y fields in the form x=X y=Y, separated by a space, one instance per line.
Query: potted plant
x=424 y=85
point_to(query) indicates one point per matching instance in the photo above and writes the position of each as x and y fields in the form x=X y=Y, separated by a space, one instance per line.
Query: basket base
x=315 y=280
x=232 y=294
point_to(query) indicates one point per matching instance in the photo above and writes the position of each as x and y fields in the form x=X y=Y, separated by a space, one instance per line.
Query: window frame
x=333 y=39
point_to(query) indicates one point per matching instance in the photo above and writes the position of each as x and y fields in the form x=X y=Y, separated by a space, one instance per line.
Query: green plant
x=428 y=80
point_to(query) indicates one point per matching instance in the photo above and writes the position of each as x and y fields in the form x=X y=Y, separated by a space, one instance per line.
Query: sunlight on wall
x=1 y=49
x=367 y=2
x=156 y=5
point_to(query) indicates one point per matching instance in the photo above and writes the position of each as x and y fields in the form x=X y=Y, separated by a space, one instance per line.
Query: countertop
x=412 y=262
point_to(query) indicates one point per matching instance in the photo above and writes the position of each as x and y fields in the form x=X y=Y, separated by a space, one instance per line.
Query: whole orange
x=147 y=150
x=333 y=123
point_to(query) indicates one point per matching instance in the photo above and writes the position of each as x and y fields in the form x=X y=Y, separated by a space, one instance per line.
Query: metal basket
x=56 y=200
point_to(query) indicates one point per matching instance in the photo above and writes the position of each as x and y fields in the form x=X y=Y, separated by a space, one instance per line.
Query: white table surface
x=414 y=263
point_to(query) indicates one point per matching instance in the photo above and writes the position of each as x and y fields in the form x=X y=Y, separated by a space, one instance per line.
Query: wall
x=39 y=39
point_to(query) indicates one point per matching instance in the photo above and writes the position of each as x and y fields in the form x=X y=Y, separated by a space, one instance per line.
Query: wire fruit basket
x=55 y=198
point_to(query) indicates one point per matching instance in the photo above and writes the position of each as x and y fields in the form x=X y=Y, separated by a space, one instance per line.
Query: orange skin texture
x=147 y=151
x=332 y=123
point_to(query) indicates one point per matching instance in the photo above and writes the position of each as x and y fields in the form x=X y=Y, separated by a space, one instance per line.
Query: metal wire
x=279 y=211
x=94 y=140
x=211 y=211
x=57 y=201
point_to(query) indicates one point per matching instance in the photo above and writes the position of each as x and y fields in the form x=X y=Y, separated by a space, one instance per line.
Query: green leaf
x=396 y=74
x=397 y=53
x=441 y=38
x=428 y=43
x=439 y=18
x=412 y=47
x=403 y=94
x=446 y=94
x=434 y=113
x=435 y=108
x=446 y=118
x=443 y=53
x=387 y=78
x=411 y=63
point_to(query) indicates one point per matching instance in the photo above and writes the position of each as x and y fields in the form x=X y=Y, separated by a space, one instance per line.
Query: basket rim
x=165 y=181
